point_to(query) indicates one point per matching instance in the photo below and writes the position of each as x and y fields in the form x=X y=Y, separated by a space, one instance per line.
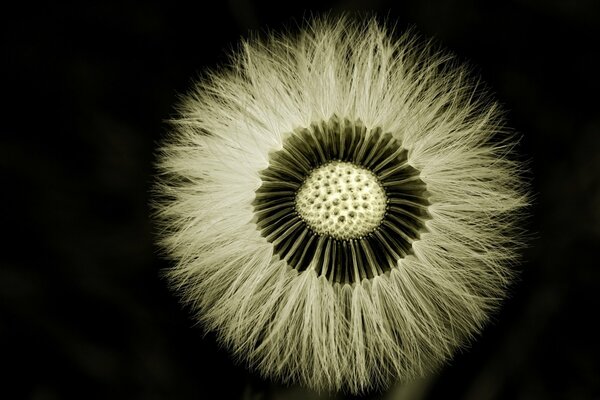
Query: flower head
x=340 y=205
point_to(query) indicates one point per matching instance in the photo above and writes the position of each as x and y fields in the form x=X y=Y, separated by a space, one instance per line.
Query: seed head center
x=342 y=200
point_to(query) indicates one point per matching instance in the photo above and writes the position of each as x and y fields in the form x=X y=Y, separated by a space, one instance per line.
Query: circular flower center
x=342 y=200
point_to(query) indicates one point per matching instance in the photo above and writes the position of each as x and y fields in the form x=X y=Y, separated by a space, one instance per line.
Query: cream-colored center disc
x=342 y=200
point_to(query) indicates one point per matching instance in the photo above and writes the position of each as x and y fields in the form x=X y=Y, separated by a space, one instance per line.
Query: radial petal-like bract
x=340 y=205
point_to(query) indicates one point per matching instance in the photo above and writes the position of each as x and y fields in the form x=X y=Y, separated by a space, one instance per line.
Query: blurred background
x=87 y=86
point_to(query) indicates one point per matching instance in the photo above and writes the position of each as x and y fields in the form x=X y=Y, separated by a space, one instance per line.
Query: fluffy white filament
x=299 y=327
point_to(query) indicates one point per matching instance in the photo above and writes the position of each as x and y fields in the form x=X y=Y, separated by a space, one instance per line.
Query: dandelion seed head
x=341 y=206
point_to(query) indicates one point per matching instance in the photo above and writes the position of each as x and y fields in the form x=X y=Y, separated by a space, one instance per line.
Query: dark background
x=86 y=90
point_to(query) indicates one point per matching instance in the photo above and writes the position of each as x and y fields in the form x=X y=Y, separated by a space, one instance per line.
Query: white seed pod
x=340 y=205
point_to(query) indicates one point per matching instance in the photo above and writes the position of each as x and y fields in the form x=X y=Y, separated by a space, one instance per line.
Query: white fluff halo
x=299 y=326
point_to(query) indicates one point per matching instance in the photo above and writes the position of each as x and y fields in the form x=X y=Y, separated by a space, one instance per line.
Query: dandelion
x=340 y=205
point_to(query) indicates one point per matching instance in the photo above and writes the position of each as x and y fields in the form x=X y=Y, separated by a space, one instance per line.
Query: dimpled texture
x=342 y=200
x=296 y=326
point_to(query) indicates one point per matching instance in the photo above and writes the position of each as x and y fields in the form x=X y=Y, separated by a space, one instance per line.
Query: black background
x=86 y=89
